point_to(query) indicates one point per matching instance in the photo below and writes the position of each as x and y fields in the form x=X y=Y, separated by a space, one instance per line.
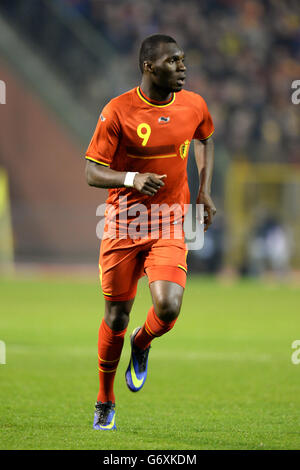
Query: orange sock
x=110 y=344
x=153 y=327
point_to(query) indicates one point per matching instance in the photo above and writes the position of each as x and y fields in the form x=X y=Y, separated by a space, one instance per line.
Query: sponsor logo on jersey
x=102 y=118
x=163 y=119
x=184 y=148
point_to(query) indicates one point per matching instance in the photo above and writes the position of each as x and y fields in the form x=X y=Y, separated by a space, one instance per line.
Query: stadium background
x=61 y=61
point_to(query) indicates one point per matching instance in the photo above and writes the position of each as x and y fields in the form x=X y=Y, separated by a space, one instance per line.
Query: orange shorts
x=123 y=262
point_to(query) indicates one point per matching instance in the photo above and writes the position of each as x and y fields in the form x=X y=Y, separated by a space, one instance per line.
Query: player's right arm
x=101 y=153
x=102 y=176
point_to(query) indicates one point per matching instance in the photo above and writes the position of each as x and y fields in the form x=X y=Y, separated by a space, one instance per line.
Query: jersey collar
x=156 y=104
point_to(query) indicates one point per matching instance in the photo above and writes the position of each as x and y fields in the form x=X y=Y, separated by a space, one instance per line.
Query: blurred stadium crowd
x=242 y=56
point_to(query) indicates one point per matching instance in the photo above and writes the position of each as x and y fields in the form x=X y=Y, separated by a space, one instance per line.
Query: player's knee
x=117 y=319
x=168 y=309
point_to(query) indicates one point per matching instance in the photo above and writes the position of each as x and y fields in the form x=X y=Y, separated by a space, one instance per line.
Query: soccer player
x=139 y=152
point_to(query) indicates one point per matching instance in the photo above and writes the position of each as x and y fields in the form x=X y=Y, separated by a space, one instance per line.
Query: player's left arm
x=204 y=156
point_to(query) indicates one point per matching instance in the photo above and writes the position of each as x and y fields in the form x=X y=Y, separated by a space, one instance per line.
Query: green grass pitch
x=221 y=379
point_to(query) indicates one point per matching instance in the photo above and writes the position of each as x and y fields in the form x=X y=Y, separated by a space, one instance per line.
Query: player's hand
x=209 y=208
x=148 y=183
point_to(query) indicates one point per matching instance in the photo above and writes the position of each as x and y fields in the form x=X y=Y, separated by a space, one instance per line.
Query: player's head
x=162 y=60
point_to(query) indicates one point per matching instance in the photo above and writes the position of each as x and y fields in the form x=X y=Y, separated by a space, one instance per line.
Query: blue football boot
x=104 y=418
x=136 y=372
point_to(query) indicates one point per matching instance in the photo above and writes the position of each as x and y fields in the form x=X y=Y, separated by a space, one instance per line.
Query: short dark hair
x=149 y=47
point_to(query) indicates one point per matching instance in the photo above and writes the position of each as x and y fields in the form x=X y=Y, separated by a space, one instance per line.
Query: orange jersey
x=135 y=133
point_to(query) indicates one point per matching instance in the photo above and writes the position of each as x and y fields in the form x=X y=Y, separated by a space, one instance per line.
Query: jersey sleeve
x=106 y=137
x=206 y=127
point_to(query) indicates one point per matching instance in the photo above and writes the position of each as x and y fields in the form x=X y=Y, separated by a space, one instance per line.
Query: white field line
x=84 y=351
x=213 y=356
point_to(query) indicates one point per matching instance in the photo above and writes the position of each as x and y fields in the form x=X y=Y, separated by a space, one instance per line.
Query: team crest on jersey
x=184 y=148
x=163 y=119
x=102 y=118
